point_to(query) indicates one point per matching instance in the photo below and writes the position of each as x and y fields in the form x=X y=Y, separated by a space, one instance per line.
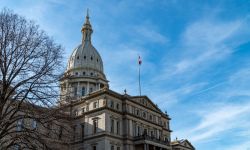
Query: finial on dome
x=87 y=29
x=87 y=13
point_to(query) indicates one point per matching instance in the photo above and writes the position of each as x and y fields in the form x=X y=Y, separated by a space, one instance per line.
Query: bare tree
x=30 y=63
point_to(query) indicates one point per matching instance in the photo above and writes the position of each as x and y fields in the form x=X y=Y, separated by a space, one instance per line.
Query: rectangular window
x=118 y=148
x=60 y=133
x=83 y=110
x=75 y=91
x=134 y=127
x=76 y=112
x=117 y=106
x=95 y=126
x=95 y=104
x=19 y=125
x=112 y=126
x=118 y=127
x=94 y=147
x=137 y=112
x=83 y=91
x=90 y=90
x=112 y=147
x=74 y=132
x=111 y=104
x=82 y=125
x=49 y=127
x=34 y=124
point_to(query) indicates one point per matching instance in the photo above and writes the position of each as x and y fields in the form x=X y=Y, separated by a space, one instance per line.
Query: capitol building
x=102 y=119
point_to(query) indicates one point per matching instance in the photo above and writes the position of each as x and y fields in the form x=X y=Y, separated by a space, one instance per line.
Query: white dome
x=85 y=58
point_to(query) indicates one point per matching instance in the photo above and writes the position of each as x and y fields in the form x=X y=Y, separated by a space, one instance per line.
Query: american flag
x=139 y=60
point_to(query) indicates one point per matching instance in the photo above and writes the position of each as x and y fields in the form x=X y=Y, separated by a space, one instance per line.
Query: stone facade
x=101 y=118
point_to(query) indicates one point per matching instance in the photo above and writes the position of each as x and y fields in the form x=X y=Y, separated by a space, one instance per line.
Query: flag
x=139 y=60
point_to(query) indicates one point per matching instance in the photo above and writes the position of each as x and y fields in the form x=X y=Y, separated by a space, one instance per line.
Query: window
x=83 y=91
x=76 y=112
x=97 y=60
x=118 y=148
x=34 y=124
x=111 y=104
x=112 y=126
x=83 y=110
x=75 y=91
x=76 y=73
x=133 y=109
x=91 y=73
x=118 y=127
x=112 y=147
x=91 y=57
x=82 y=126
x=90 y=90
x=95 y=104
x=17 y=147
x=74 y=132
x=94 y=147
x=117 y=106
x=77 y=57
x=83 y=73
x=144 y=115
x=60 y=133
x=19 y=125
x=49 y=127
x=138 y=130
x=95 y=126
x=134 y=127
x=84 y=57
x=137 y=112
x=145 y=132
x=152 y=133
x=150 y=117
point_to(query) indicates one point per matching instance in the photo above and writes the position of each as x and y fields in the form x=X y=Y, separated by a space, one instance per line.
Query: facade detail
x=102 y=119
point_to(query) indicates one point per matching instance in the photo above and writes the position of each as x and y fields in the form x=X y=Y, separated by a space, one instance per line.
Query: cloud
x=218 y=120
x=202 y=44
x=146 y=33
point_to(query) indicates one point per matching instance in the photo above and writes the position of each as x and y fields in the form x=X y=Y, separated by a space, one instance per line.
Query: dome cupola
x=84 y=73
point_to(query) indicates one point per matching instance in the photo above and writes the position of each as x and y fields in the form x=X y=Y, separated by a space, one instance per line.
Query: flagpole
x=140 y=79
x=139 y=63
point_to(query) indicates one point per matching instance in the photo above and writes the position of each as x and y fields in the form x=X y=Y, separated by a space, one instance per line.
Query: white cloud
x=147 y=33
x=217 y=120
x=203 y=43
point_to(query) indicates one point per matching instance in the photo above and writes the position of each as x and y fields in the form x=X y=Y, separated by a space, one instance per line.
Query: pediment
x=144 y=100
x=187 y=144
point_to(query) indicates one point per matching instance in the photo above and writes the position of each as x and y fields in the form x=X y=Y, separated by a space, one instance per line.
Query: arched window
x=90 y=90
x=75 y=91
x=83 y=91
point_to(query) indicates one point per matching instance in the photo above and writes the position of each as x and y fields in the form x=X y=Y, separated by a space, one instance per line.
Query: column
x=87 y=88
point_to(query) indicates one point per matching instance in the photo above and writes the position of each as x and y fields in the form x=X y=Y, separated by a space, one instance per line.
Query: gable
x=187 y=144
x=144 y=100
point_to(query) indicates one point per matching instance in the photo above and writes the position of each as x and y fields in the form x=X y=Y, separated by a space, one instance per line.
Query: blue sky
x=195 y=57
